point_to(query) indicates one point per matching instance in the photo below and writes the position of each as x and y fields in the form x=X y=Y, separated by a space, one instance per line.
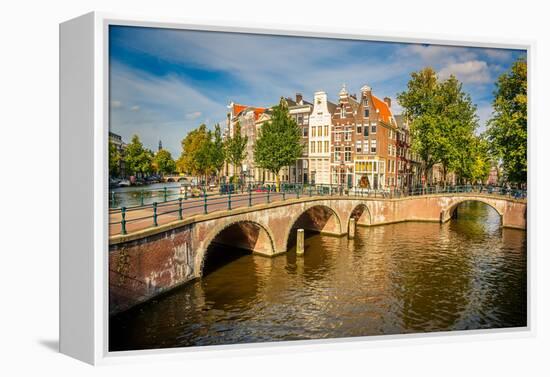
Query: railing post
x=141 y=197
x=180 y=209
x=268 y=190
x=113 y=198
x=310 y=191
x=283 y=195
x=155 y=220
x=229 y=201
x=185 y=194
x=165 y=194
x=123 y=220
x=249 y=197
x=205 y=202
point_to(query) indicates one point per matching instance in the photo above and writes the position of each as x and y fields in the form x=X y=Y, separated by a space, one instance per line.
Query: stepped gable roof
x=331 y=107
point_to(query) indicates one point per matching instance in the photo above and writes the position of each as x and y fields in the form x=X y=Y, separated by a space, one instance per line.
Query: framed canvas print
x=224 y=187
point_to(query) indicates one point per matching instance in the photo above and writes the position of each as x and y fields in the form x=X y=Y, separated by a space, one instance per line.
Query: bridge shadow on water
x=219 y=255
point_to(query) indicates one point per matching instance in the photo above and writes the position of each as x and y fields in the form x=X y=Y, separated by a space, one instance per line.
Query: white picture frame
x=83 y=222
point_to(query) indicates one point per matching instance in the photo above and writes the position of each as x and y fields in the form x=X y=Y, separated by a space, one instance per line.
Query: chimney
x=299 y=98
x=388 y=101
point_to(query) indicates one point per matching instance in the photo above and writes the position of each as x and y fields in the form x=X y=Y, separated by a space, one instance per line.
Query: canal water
x=402 y=278
x=132 y=196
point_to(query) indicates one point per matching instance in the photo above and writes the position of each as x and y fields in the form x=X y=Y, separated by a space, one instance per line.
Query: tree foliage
x=443 y=122
x=163 y=162
x=114 y=160
x=507 y=129
x=137 y=158
x=217 y=153
x=279 y=143
x=195 y=156
x=235 y=147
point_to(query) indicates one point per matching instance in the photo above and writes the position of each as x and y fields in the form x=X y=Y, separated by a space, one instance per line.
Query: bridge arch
x=362 y=215
x=319 y=217
x=450 y=210
x=244 y=234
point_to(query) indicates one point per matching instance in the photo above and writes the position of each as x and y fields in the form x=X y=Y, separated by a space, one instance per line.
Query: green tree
x=458 y=123
x=114 y=160
x=217 y=153
x=137 y=158
x=443 y=121
x=474 y=162
x=507 y=129
x=196 y=150
x=279 y=143
x=235 y=147
x=163 y=162
x=418 y=102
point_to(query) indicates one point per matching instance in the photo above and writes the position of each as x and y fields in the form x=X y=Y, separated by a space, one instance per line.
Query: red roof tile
x=383 y=109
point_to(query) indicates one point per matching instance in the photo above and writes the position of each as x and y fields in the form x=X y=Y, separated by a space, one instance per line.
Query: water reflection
x=402 y=278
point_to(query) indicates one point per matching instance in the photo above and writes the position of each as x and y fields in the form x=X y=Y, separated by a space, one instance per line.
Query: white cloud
x=436 y=55
x=498 y=54
x=116 y=104
x=164 y=104
x=193 y=115
x=484 y=113
x=473 y=71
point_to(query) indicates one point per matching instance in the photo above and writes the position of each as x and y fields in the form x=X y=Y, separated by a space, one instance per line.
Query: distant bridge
x=150 y=259
x=174 y=178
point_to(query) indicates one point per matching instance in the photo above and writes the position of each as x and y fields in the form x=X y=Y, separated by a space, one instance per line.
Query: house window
x=312 y=131
x=326 y=130
x=359 y=130
x=347 y=154
x=373 y=146
x=358 y=147
x=347 y=135
x=337 y=137
x=366 y=130
x=373 y=128
x=305 y=131
x=300 y=119
x=342 y=111
x=366 y=146
x=337 y=151
x=312 y=147
x=366 y=112
x=326 y=146
x=319 y=146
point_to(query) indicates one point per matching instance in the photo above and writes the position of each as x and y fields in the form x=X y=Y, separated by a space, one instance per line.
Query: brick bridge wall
x=149 y=262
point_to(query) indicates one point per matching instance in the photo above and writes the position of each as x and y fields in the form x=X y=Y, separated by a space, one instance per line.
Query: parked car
x=153 y=178
x=124 y=183
x=139 y=182
x=113 y=182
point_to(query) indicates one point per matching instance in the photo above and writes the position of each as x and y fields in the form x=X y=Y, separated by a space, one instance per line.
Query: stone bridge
x=148 y=262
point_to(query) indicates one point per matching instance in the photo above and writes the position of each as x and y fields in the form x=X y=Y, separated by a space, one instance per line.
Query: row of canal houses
x=357 y=142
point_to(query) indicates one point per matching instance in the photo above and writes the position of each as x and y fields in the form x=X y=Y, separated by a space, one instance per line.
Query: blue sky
x=165 y=82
